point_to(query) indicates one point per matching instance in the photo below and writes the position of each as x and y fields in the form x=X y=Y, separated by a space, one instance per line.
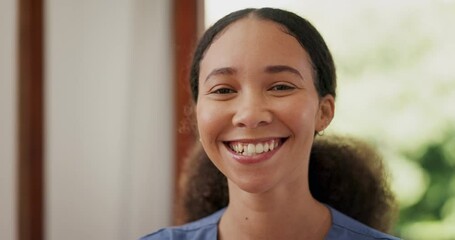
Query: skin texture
x=256 y=84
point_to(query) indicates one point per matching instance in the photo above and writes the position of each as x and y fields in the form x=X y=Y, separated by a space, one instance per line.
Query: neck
x=286 y=213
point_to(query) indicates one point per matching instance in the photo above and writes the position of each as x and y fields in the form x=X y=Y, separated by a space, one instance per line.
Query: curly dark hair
x=345 y=173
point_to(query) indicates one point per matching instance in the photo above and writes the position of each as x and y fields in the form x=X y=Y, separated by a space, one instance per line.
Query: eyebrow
x=282 y=68
x=269 y=69
x=221 y=71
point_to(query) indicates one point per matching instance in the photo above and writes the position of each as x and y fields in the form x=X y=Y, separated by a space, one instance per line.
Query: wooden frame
x=30 y=120
x=185 y=32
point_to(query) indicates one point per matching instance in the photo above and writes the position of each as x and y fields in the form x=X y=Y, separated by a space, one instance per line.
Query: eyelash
x=222 y=91
x=281 y=87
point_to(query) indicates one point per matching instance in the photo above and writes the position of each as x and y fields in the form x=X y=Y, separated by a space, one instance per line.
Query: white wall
x=7 y=119
x=109 y=118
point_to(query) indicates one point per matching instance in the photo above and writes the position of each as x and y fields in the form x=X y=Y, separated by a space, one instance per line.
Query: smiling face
x=257 y=108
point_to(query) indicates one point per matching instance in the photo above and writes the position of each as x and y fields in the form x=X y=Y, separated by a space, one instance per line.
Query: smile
x=255 y=148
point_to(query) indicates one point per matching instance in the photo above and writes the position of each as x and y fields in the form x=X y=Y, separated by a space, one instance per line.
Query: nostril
x=262 y=123
x=252 y=119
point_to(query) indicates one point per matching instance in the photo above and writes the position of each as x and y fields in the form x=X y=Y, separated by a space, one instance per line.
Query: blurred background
x=114 y=107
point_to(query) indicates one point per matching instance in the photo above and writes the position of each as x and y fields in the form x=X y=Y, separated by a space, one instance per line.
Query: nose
x=252 y=112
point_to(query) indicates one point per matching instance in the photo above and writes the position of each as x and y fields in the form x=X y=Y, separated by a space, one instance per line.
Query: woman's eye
x=223 y=91
x=281 y=87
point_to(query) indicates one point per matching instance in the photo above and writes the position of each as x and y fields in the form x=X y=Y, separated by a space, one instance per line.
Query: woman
x=263 y=82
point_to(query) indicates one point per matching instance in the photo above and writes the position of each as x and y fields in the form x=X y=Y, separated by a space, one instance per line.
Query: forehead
x=253 y=42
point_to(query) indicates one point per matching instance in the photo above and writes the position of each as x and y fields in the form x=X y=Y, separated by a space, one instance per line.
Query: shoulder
x=205 y=228
x=344 y=227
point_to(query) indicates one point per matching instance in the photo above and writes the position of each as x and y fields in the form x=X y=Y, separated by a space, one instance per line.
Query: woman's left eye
x=281 y=87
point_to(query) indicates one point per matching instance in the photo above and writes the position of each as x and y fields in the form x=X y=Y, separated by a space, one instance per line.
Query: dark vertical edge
x=184 y=35
x=30 y=120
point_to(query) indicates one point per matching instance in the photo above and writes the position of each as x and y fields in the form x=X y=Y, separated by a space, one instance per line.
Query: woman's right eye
x=222 y=91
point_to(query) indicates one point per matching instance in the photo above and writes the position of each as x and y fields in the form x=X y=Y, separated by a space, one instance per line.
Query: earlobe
x=326 y=112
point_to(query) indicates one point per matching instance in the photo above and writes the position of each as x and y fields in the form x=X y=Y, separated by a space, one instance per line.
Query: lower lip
x=255 y=159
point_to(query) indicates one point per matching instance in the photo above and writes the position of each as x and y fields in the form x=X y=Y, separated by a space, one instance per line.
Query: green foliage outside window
x=397 y=90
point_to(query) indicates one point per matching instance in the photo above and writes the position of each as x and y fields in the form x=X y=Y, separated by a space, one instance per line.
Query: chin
x=253 y=186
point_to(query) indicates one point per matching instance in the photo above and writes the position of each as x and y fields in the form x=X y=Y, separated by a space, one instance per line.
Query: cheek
x=209 y=128
x=207 y=122
x=299 y=117
x=303 y=122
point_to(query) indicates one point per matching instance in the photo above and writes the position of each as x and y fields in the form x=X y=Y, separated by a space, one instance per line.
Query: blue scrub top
x=343 y=228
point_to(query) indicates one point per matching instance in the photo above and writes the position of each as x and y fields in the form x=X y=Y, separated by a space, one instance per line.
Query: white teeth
x=272 y=146
x=250 y=149
x=266 y=147
x=239 y=148
x=259 y=148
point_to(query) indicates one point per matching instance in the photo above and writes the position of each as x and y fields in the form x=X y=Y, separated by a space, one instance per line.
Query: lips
x=253 y=148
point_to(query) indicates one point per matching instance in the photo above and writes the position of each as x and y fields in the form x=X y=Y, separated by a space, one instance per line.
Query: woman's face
x=258 y=109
